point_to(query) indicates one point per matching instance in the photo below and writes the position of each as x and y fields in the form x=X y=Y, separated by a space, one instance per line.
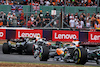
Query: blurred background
x=50 y=14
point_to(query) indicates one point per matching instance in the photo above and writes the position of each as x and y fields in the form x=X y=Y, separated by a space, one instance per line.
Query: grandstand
x=62 y=14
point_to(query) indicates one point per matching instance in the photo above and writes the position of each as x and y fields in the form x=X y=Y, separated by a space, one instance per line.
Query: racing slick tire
x=80 y=56
x=44 y=53
x=6 y=48
x=29 y=49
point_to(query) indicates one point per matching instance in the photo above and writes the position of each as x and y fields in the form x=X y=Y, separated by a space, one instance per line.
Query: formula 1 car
x=80 y=55
x=69 y=53
x=24 y=45
x=41 y=45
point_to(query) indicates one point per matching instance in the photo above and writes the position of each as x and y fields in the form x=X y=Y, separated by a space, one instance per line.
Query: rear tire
x=6 y=48
x=44 y=54
x=80 y=56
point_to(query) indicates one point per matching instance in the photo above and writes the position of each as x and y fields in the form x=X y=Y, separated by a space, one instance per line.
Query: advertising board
x=61 y=35
x=28 y=33
x=94 y=37
x=2 y=33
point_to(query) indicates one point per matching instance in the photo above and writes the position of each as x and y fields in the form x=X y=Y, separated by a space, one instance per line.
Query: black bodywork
x=21 y=46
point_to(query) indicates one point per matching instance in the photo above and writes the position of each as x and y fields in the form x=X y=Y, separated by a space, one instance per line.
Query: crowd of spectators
x=40 y=20
x=83 y=20
x=88 y=3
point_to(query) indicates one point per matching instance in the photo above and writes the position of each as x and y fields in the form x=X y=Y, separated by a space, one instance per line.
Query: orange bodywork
x=59 y=51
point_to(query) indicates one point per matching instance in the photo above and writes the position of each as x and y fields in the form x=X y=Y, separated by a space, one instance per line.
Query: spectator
x=88 y=17
x=41 y=2
x=82 y=23
x=38 y=21
x=98 y=15
x=9 y=19
x=93 y=18
x=76 y=21
x=22 y=19
x=82 y=17
x=43 y=23
x=41 y=15
x=98 y=20
x=1 y=23
x=7 y=3
x=32 y=17
x=34 y=23
x=2 y=15
x=96 y=25
x=10 y=2
x=79 y=26
x=4 y=18
x=47 y=3
x=72 y=16
x=0 y=3
x=15 y=3
x=14 y=20
x=66 y=20
x=88 y=24
x=72 y=22
x=35 y=15
x=76 y=15
x=47 y=17
x=53 y=3
x=22 y=13
x=29 y=23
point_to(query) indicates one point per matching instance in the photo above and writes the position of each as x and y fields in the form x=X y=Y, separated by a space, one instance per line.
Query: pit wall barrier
x=54 y=35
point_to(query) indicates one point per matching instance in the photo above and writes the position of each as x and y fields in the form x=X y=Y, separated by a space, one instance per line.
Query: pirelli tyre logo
x=64 y=35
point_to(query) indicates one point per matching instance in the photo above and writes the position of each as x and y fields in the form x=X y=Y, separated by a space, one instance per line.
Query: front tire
x=44 y=54
x=80 y=56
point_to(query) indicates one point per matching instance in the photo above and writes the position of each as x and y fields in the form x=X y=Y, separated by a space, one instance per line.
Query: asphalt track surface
x=30 y=59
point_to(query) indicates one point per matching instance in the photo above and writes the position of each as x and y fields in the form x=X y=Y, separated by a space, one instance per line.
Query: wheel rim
x=76 y=56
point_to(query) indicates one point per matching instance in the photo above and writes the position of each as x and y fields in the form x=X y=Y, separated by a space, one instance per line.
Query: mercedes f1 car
x=21 y=46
